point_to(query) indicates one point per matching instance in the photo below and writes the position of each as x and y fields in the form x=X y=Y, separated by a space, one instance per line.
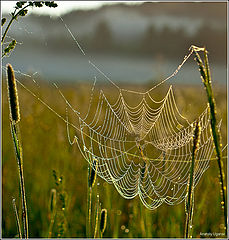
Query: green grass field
x=46 y=148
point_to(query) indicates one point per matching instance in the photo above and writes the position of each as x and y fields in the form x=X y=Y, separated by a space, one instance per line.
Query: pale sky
x=63 y=6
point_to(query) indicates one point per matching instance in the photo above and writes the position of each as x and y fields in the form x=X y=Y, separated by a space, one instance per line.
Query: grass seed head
x=93 y=173
x=53 y=200
x=103 y=220
x=13 y=95
x=10 y=47
x=3 y=21
x=196 y=137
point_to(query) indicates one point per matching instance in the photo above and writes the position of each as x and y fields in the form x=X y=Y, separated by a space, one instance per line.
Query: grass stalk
x=190 y=197
x=96 y=217
x=17 y=218
x=206 y=79
x=142 y=221
x=14 y=120
x=89 y=212
x=89 y=194
x=91 y=182
x=18 y=151
x=52 y=211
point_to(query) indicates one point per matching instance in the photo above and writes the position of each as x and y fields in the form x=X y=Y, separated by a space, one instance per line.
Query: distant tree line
x=175 y=43
x=168 y=43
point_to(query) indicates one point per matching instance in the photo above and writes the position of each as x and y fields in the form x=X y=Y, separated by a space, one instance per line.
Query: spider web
x=144 y=149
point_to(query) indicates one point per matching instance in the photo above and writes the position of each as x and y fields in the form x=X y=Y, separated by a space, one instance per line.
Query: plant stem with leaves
x=14 y=15
x=20 y=11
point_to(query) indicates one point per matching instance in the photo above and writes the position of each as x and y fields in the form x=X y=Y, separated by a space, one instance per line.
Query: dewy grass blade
x=206 y=78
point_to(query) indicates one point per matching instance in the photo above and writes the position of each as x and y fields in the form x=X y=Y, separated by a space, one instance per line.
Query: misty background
x=141 y=43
